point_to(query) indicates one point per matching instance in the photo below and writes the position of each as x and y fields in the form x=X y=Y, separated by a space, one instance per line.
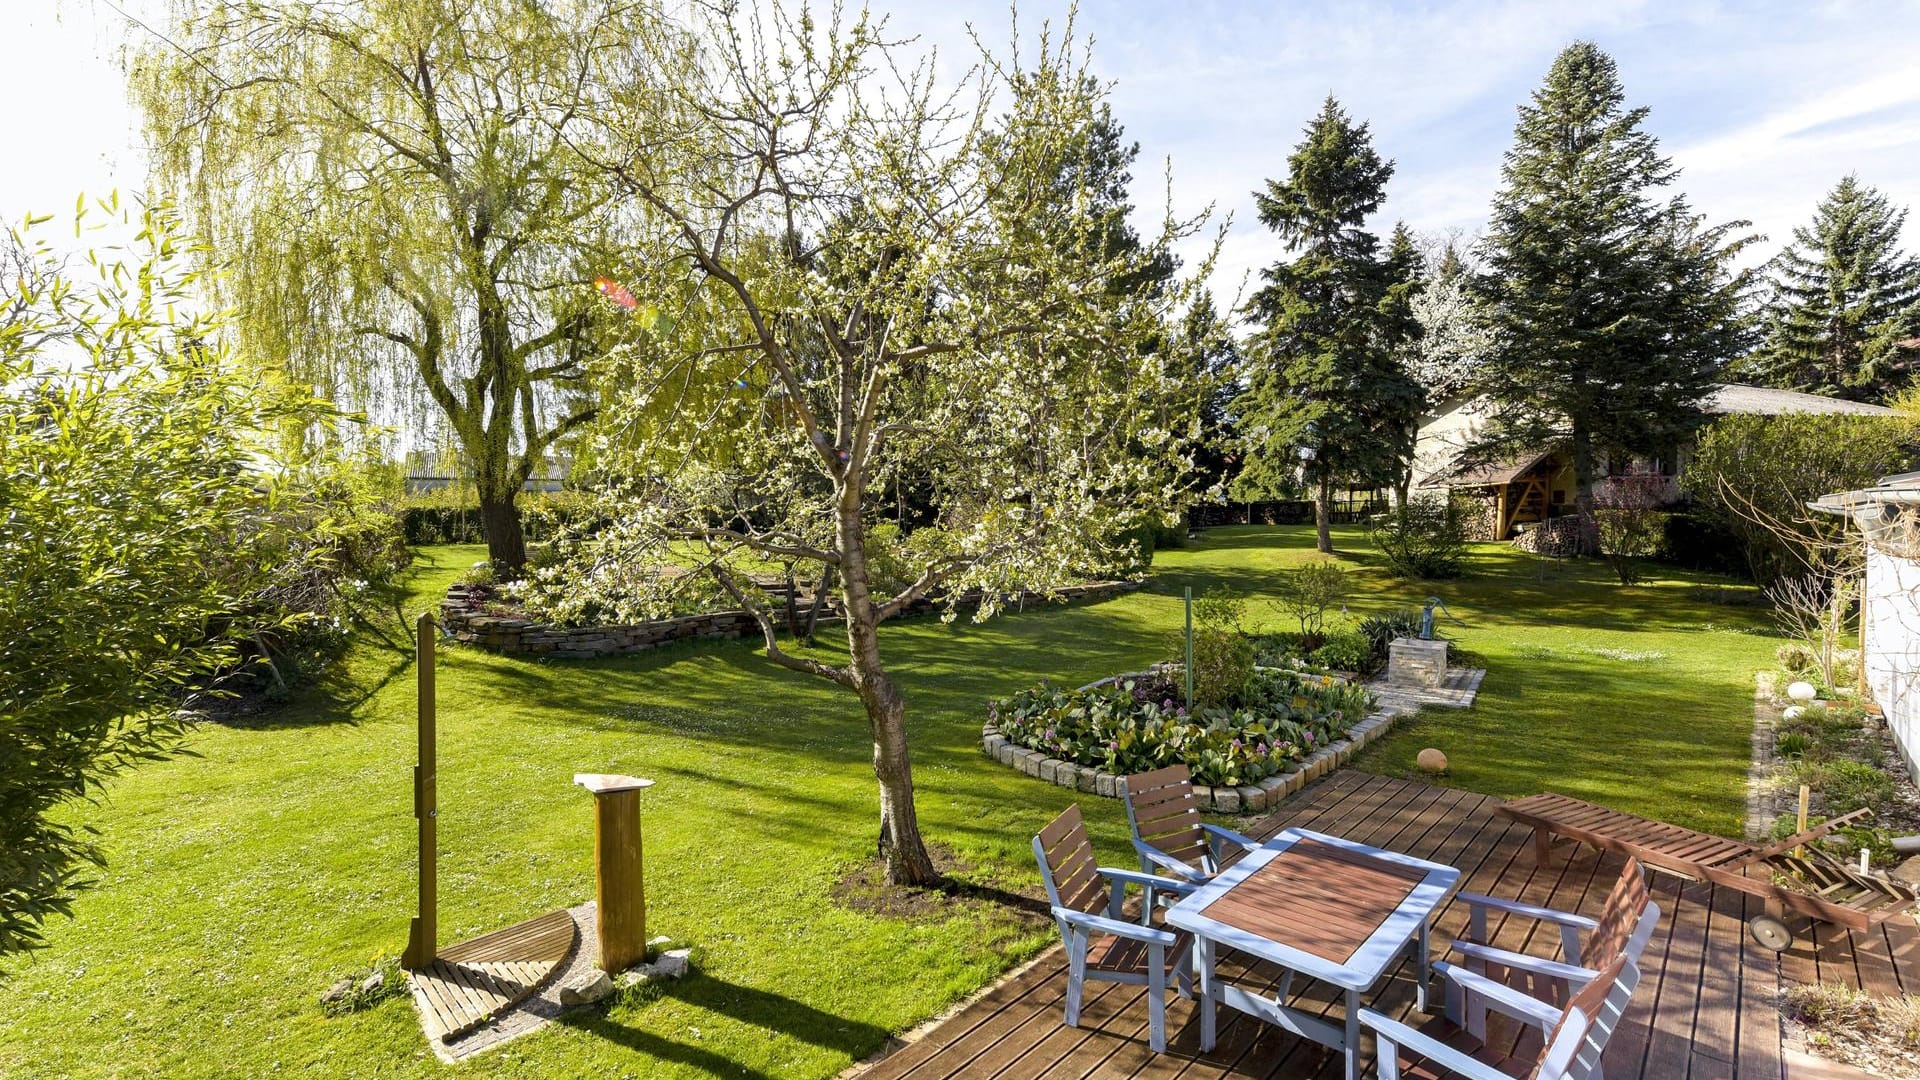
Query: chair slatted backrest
x=1165 y=815
x=1067 y=866
x=1574 y=1047
x=1626 y=903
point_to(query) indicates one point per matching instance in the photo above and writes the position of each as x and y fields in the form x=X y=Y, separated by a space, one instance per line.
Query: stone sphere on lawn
x=1793 y=712
x=1432 y=760
x=1802 y=691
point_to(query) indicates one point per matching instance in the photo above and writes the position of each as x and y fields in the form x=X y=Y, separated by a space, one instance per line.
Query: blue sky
x=1764 y=106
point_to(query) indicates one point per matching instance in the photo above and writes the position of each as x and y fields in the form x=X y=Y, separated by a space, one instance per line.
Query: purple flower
x=1309 y=738
x=1236 y=744
x=1181 y=711
x=1167 y=704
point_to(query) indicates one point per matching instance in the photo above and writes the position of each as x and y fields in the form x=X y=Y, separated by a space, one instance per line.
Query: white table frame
x=1409 y=924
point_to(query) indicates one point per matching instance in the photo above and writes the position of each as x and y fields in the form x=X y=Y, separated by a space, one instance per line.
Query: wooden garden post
x=619 y=892
x=423 y=934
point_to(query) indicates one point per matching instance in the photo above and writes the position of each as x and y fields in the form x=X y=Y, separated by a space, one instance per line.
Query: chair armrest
x=1531 y=911
x=1231 y=837
x=1393 y=1036
x=1552 y=969
x=1117 y=927
x=1135 y=877
x=1503 y=998
x=1161 y=859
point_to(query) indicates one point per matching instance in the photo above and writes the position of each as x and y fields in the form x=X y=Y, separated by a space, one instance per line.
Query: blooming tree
x=1454 y=337
x=867 y=282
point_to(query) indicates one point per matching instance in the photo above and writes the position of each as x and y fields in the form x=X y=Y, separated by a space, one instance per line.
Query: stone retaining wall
x=463 y=615
x=1248 y=799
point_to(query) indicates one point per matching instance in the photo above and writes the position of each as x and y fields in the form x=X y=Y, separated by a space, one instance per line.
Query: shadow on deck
x=1706 y=1008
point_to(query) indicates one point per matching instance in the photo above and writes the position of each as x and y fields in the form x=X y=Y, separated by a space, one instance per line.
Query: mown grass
x=245 y=879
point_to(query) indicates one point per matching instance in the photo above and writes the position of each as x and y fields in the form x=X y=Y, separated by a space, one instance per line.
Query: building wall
x=1891 y=611
x=1444 y=434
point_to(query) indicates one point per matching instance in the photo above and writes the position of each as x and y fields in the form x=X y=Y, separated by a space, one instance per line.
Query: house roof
x=1491 y=474
x=1767 y=401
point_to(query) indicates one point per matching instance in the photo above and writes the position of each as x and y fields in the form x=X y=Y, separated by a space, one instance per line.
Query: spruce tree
x=1612 y=309
x=1324 y=392
x=1845 y=301
x=1402 y=398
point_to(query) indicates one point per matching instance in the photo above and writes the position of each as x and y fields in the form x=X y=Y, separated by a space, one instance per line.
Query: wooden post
x=423 y=934
x=619 y=891
x=1800 y=821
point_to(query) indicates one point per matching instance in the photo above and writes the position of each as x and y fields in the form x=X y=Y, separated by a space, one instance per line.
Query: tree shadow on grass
x=775 y=1013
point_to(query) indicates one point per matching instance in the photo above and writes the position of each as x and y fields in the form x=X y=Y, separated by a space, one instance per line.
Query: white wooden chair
x=1572 y=1039
x=1167 y=831
x=1102 y=944
x=1625 y=925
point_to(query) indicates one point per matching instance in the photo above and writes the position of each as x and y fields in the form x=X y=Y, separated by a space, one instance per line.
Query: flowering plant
x=1139 y=724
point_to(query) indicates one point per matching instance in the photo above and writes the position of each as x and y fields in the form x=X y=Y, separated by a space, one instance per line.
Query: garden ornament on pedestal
x=1426 y=617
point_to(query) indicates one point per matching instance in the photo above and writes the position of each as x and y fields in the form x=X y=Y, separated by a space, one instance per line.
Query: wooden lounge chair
x=1088 y=903
x=1824 y=888
x=1168 y=832
x=1572 y=1041
x=1624 y=927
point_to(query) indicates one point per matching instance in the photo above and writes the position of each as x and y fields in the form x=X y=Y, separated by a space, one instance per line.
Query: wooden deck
x=1705 y=1009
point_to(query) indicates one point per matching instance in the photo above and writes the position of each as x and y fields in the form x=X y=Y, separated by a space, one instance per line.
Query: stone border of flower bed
x=1247 y=799
x=462 y=615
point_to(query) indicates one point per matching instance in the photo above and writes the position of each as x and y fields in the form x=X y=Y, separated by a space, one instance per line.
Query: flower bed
x=1135 y=725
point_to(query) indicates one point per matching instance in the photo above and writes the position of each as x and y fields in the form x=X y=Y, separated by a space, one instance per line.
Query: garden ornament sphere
x=1793 y=712
x=1432 y=760
x=1802 y=691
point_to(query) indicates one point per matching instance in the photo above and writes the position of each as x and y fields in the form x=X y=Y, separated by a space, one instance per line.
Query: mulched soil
x=968 y=889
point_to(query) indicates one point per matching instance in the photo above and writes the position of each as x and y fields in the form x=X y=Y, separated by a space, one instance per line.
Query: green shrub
x=1308 y=592
x=1381 y=630
x=1278 y=648
x=1138 y=725
x=1424 y=538
x=1794 y=658
x=1838 y=724
x=1223 y=655
x=1347 y=650
x=1793 y=744
x=1850 y=785
x=1752 y=476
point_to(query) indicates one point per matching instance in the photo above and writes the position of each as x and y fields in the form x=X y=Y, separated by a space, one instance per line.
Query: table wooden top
x=1318 y=904
x=1318 y=898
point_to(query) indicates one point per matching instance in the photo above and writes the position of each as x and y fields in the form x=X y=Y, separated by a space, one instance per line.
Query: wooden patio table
x=1324 y=907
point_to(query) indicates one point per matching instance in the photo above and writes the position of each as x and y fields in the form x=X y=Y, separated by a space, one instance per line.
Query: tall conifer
x=1612 y=308
x=1324 y=392
x=1845 y=302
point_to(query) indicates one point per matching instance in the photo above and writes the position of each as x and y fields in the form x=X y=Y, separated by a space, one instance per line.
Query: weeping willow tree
x=398 y=187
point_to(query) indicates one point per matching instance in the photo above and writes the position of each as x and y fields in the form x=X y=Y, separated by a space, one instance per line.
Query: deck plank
x=1706 y=1010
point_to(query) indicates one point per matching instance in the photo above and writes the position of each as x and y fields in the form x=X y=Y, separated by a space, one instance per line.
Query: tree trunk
x=1323 y=513
x=1587 y=528
x=506 y=543
x=901 y=846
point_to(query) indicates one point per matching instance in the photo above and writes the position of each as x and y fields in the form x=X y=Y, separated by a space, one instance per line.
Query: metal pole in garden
x=1189 y=665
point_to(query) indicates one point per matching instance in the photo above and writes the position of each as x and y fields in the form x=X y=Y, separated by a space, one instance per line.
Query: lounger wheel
x=1770 y=932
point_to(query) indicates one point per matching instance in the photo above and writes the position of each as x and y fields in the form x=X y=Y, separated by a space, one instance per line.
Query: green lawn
x=245 y=879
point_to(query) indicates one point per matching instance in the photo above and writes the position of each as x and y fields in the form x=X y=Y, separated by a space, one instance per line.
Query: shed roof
x=1492 y=474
